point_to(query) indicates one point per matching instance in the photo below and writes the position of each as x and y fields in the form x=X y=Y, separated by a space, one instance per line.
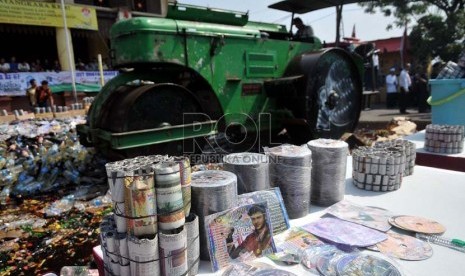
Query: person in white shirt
x=4 y=66
x=404 y=82
x=24 y=67
x=391 y=89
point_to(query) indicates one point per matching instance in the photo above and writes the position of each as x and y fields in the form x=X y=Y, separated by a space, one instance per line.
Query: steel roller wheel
x=335 y=92
x=146 y=107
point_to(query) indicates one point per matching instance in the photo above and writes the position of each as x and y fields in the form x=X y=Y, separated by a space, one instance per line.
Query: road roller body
x=199 y=72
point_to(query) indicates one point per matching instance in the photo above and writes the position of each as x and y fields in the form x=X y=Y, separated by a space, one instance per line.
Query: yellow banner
x=47 y=14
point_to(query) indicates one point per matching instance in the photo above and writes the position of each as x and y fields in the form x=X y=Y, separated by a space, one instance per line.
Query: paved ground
x=378 y=117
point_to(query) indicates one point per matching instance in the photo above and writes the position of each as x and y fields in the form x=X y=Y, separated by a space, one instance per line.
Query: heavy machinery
x=199 y=71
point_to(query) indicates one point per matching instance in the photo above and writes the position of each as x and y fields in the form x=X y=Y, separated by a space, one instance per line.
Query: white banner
x=15 y=84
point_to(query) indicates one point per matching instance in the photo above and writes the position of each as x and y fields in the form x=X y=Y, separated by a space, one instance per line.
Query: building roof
x=389 y=45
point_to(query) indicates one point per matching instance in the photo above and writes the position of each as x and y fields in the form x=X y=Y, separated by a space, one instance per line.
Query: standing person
x=31 y=93
x=375 y=58
x=303 y=31
x=421 y=87
x=436 y=68
x=259 y=241
x=391 y=89
x=43 y=95
x=404 y=82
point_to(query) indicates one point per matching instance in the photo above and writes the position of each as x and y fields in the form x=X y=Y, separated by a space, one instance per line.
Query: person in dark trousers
x=421 y=87
x=404 y=82
x=44 y=95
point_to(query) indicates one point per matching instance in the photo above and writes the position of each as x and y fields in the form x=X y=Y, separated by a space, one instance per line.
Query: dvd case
x=274 y=201
x=239 y=234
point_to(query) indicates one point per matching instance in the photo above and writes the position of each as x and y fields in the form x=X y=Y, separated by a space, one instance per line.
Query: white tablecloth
x=432 y=193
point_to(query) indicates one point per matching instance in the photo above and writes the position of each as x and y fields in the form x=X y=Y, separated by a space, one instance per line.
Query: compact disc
x=326 y=264
x=419 y=224
x=393 y=223
x=364 y=265
x=344 y=262
x=311 y=255
x=405 y=247
x=273 y=272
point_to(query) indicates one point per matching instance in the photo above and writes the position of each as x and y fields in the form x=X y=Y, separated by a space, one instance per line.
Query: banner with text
x=47 y=14
x=15 y=84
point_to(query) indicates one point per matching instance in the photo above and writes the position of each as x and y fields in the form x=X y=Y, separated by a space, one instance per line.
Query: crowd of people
x=13 y=66
x=407 y=89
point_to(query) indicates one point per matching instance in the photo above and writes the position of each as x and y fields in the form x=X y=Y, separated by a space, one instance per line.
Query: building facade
x=34 y=32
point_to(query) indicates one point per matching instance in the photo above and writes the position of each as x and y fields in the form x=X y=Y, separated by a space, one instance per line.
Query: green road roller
x=199 y=72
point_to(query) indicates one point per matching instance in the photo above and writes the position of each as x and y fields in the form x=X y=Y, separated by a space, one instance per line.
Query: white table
x=432 y=193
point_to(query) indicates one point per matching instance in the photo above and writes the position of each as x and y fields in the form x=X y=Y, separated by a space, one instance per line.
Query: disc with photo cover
x=311 y=255
x=405 y=247
x=344 y=262
x=362 y=265
x=273 y=272
x=419 y=225
x=326 y=264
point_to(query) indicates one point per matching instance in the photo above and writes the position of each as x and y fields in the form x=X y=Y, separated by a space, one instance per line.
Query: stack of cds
x=212 y=192
x=329 y=162
x=251 y=170
x=444 y=138
x=290 y=170
x=146 y=234
x=378 y=169
x=407 y=147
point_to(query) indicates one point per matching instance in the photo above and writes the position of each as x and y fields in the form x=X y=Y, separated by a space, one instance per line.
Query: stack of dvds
x=407 y=147
x=290 y=170
x=212 y=192
x=378 y=169
x=329 y=162
x=444 y=138
x=251 y=170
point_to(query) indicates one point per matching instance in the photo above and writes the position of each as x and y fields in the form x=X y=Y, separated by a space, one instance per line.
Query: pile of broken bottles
x=53 y=195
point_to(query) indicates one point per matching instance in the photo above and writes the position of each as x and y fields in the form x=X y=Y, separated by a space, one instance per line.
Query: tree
x=439 y=29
